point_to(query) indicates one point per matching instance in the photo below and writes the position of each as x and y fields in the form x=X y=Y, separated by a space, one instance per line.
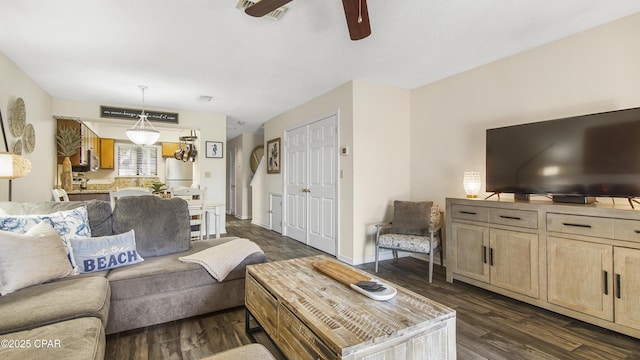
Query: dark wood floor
x=489 y=326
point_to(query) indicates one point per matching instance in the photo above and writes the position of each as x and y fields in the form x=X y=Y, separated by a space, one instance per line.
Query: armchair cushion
x=413 y=243
x=411 y=217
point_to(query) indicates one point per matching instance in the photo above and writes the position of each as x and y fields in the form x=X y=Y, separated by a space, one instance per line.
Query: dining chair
x=115 y=194
x=195 y=199
x=59 y=195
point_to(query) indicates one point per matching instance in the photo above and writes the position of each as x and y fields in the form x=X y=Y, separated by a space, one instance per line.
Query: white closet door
x=322 y=185
x=296 y=183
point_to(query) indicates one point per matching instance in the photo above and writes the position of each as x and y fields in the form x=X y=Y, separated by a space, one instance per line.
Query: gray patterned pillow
x=411 y=217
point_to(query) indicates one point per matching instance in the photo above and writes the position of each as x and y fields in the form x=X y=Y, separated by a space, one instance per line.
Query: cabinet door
x=471 y=250
x=513 y=259
x=106 y=153
x=580 y=276
x=627 y=290
x=169 y=148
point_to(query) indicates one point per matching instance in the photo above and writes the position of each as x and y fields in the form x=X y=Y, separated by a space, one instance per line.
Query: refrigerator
x=178 y=173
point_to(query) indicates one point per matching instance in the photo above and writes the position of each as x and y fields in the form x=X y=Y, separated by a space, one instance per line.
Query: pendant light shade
x=142 y=132
x=13 y=166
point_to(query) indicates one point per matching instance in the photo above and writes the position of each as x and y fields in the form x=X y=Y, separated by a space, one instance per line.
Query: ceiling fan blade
x=264 y=7
x=357 y=18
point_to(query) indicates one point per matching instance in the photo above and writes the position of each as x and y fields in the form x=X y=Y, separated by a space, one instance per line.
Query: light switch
x=207 y=174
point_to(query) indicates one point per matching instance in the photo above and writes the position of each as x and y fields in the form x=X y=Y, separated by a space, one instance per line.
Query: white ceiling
x=256 y=68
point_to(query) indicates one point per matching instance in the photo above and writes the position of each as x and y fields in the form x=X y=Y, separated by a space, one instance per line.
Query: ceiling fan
x=354 y=10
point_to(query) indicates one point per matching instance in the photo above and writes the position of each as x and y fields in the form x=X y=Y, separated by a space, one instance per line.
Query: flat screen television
x=588 y=155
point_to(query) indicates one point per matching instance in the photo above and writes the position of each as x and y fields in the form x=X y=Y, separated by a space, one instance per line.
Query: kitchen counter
x=88 y=191
x=84 y=195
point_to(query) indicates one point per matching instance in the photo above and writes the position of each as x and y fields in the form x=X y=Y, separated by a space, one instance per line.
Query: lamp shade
x=143 y=136
x=471 y=183
x=13 y=166
x=140 y=134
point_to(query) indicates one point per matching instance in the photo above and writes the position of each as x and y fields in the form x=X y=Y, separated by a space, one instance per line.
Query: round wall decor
x=18 y=118
x=17 y=147
x=29 y=138
x=255 y=157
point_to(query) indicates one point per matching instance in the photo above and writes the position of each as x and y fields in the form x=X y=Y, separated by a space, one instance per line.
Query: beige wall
x=374 y=126
x=341 y=100
x=37 y=185
x=381 y=162
x=597 y=70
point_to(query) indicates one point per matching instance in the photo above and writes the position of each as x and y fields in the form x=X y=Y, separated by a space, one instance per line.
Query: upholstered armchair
x=416 y=228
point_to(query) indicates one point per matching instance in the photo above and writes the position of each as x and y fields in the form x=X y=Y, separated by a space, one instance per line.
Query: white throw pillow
x=69 y=224
x=32 y=258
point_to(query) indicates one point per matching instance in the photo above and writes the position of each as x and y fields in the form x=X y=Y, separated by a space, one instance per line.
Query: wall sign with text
x=133 y=114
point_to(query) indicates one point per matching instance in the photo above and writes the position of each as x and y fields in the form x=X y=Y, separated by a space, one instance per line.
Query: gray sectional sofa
x=69 y=318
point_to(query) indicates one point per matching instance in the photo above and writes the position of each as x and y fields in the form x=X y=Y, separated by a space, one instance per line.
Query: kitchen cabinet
x=169 y=148
x=107 y=158
x=88 y=195
x=89 y=141
x=582 y=261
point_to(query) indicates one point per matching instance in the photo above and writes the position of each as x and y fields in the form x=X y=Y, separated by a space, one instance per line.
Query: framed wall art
x=214 y=149
x=273 y=156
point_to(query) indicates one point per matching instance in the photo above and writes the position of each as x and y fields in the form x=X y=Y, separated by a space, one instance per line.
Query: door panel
x=296 y=183
x=276 y=213
x=322 y=184
x=627 y=266
x=515 y=261
x=472 y=245
x=311 y=184
x=576 y=275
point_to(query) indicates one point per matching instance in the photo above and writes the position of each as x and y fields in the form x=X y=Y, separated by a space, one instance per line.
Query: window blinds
x=137 y=160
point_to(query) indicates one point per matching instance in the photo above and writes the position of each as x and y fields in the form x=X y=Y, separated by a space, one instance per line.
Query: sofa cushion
x=99 y=212
x=162 y=226
x=105 y=252
x=166 y=273
x=33 y=258
x=69 y=298
x=77 y=339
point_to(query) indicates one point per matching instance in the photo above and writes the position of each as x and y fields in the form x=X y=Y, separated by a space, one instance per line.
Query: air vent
x=275 y=14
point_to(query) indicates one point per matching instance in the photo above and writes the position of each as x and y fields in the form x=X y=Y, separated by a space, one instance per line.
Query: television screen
x=591 y=155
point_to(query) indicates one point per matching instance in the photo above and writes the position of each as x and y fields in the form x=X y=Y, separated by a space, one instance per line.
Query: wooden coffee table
x=309 y=315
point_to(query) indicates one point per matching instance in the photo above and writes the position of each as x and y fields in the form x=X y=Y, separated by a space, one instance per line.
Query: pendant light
x=140 y=134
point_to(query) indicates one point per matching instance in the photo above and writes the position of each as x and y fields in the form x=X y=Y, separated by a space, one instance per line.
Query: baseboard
x=386 y=254
x=261 y=225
